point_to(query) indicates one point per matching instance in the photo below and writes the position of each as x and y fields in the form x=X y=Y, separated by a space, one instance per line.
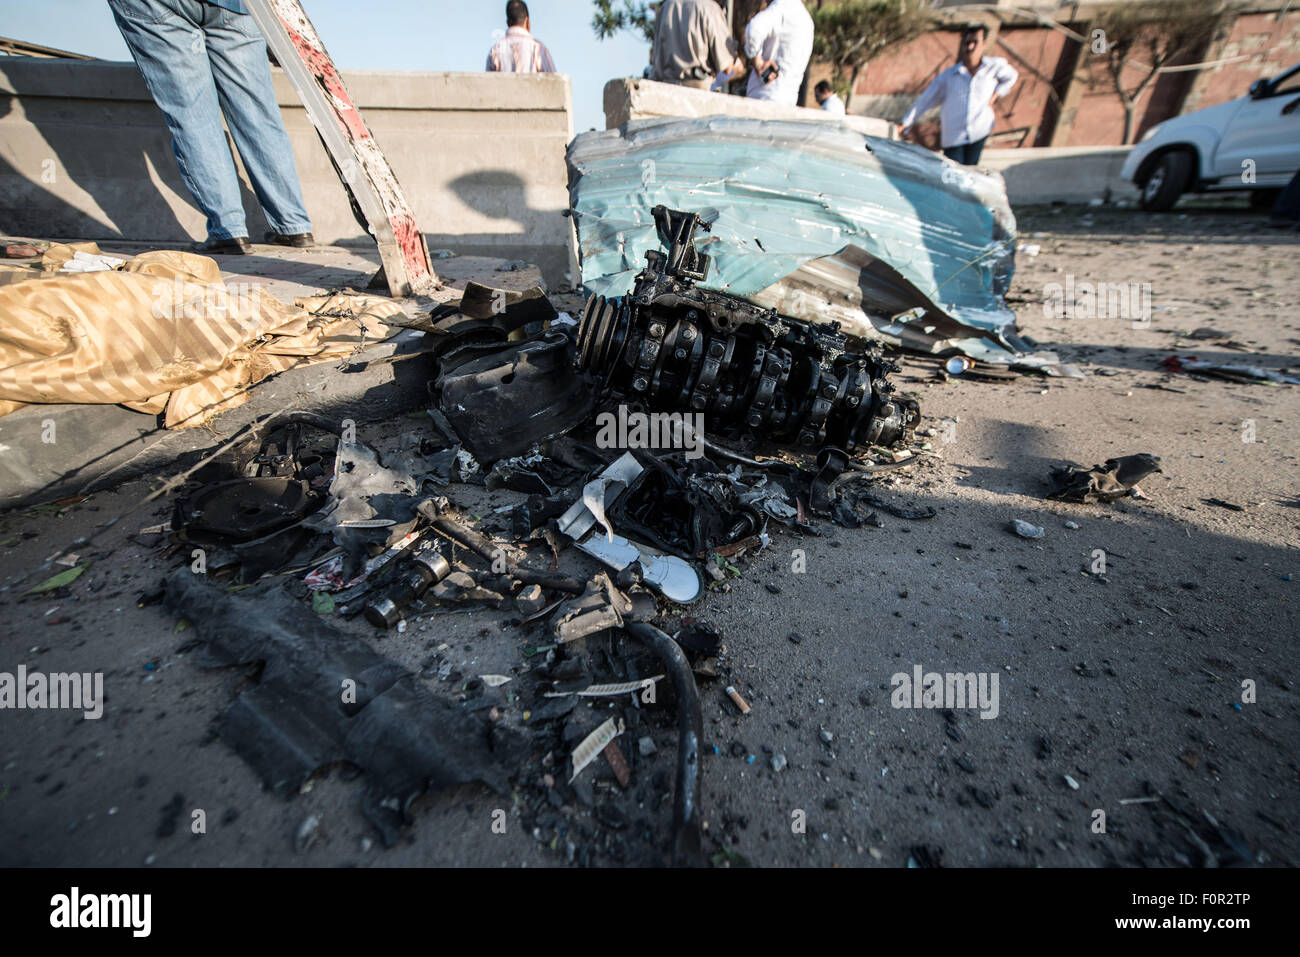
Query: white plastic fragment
x=593 y=744
x=600 y=691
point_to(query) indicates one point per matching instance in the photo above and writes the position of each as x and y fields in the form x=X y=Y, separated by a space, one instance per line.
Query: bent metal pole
x=360 y=163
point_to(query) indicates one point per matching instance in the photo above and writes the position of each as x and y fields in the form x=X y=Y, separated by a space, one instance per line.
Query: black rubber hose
x=686 y=850
x=774 y=465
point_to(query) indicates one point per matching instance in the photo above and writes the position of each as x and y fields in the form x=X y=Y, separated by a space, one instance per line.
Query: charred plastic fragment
x=671 y=346
x=1103 y=483
x=502 y=397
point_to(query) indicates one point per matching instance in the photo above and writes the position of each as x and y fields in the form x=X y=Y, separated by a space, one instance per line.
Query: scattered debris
x=324 y=697
x=1220 y=503
x=428 y=567
x=1232 y=372
x=1103 y=483
x=740 y=702
x=803 y=422
x=1025 y=529
x=617 y=763
x=609 y=690
x=594 y=743
x=673 y=577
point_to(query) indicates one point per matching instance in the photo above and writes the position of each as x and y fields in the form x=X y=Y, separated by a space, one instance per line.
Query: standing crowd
x=205 y=61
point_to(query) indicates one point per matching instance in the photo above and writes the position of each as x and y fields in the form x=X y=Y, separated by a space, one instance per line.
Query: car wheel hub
x=1154 y=183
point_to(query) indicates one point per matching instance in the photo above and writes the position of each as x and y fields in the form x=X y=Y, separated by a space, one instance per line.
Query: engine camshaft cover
x=674 y=348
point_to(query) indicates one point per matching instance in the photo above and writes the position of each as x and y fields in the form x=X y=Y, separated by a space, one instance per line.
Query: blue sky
x=384 y=35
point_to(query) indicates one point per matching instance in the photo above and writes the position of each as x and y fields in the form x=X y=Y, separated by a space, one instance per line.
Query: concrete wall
x=1076 y=174
x=1072 y=175
x=84 y=153
x=632 y=99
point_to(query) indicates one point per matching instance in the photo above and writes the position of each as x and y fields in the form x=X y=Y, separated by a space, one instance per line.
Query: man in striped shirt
x=518 y=51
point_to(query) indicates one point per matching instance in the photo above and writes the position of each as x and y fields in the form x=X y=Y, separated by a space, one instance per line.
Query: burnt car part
x=276 y=448
x=1103 y=483
x=434 y=511
x=587 y=524
x=501 y=398
x=291 y=722
x=672 y=346
x=427 y=568
x=243 y=509
x=684 y=507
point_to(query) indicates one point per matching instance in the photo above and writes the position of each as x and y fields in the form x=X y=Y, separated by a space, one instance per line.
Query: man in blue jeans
x=200 y=59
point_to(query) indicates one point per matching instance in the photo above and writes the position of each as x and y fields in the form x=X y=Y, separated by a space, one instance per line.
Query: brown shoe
x=291 y=239
x=235 y=246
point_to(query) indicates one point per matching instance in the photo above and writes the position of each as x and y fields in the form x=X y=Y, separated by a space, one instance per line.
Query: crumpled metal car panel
x=503 y=400
x=295 y=721
x=810 y=218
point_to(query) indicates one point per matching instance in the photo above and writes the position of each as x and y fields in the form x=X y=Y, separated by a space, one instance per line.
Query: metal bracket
x=361 y=164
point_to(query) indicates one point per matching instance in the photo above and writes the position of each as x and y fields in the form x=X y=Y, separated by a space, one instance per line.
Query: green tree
x=849 y=34
x=1139 y=37
x=611 y=16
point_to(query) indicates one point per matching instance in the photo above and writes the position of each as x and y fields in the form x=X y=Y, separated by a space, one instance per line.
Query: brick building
x=1064 y=96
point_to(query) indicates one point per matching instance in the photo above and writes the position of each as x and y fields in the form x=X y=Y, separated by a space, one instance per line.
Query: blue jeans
x=200 y=61
x=968 y=154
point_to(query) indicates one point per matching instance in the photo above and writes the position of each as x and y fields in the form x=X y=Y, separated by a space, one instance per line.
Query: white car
x=1249 y=143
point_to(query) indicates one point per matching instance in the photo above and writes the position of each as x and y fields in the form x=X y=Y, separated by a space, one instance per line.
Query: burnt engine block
x=671 y=347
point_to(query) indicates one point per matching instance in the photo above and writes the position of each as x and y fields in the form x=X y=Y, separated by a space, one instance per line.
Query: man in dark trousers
x=202 y=59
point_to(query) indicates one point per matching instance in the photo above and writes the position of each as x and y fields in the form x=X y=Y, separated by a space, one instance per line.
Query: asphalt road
x=1146 y=715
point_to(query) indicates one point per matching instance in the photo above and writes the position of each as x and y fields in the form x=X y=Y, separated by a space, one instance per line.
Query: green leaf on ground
x=322 y=603
x=58 y=581
x=729 y=858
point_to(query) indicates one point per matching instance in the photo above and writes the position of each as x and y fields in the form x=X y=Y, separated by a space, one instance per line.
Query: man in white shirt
x=778 y=42
x=829 y=99
x=964 y=94
x=518 y=51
